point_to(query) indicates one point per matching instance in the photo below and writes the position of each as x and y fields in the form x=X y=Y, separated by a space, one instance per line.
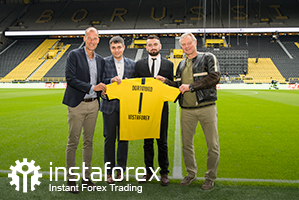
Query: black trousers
x=111 y=132
x=162 y=146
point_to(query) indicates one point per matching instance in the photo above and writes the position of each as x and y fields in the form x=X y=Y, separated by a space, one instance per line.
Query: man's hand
x=116 y=79
x=100 y=87
x=161 y=78
x=103 y=94
x=184 y=88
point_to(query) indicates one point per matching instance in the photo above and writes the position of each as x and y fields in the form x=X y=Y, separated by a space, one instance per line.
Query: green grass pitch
x=258 y=133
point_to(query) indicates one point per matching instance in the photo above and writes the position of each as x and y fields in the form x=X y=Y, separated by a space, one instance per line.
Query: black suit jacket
x=166 y=70
x=78 y=76
x=142 y=69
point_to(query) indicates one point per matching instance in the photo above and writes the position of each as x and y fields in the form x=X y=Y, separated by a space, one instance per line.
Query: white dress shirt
x=120 y=67
x=157 y=64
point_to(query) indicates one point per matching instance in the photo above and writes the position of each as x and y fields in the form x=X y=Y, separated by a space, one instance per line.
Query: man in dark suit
x=117 y=68
x=84 y=70
x=152 y=66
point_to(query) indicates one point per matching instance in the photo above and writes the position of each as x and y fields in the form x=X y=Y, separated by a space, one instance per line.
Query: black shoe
x=89 y=183
x=74 y=188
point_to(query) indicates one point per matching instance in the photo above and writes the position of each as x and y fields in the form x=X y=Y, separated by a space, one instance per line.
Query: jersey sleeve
x=169 y=93
x=113 y=91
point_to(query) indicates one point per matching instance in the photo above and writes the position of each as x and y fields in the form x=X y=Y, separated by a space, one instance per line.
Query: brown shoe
x=146 y=177
x=89 y=183
x=119 y=179
x=110 y=179
x=74 y=188
x=208 y=184
x=187 y=180
x=164 y=180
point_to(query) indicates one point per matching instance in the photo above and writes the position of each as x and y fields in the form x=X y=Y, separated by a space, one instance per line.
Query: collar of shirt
x=119 y=62
x=158 y=58
x=157 y=64
x=119 y=65
x=87 y=56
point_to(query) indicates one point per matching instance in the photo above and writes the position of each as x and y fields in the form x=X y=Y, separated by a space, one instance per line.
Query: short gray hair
x=188 y=34
x=91 y=29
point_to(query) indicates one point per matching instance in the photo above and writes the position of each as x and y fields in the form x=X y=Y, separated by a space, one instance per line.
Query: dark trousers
x=162 y=146
x=111 y=132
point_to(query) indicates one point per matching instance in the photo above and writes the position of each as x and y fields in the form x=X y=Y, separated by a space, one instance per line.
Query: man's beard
x=154 y=54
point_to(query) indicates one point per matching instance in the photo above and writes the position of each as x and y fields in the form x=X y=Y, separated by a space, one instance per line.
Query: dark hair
x=153 y=37
x=117 y=39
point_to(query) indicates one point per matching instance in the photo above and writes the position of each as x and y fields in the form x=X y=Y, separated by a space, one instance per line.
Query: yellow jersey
x=141 y=102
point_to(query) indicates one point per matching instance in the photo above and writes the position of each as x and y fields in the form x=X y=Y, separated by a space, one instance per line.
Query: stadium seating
x=130 y=53
x=48 y=64
x=18 y=51
x=176 y=62
x=58 y=70
x=232 y=62
x=30 y=64
x=263 y=71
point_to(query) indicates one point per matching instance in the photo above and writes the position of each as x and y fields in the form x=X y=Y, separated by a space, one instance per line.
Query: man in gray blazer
x=117 y=68
x=84 y=69
x=152 y=66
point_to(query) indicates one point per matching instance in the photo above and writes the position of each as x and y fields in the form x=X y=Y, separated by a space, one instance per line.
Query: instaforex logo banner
x=24 y=168
x=20 y=168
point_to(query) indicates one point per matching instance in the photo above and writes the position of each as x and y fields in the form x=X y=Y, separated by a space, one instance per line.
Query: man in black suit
x=117 y=67
x=152 y=66
x=84 y=70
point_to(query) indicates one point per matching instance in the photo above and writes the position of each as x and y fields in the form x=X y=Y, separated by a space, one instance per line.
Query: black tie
x=153 y=68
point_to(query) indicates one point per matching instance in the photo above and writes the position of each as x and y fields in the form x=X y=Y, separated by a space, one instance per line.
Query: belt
x=198 y=106
x=89 y=100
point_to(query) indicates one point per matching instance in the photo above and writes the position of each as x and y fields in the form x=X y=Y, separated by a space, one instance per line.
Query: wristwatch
x=191 y=88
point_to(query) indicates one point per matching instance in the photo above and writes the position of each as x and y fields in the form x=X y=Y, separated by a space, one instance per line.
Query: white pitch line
x=257 y=180
x=177 y=160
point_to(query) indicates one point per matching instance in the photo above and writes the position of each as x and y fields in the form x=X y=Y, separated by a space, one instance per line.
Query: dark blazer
x=78 y=76
x=110 y=72
x=142 y=69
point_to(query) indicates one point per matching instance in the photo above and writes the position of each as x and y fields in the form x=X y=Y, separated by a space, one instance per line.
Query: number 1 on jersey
x=141 y=95
x=140 y=102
